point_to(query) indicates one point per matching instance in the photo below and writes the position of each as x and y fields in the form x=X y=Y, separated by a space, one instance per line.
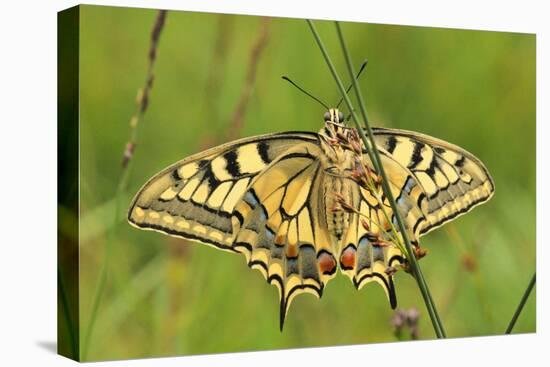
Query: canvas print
x=215 y=169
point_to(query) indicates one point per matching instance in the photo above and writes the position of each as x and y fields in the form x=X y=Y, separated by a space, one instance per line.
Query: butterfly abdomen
x=337 y=163
x=337 y=219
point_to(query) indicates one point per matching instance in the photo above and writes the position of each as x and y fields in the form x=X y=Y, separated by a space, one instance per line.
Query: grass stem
x=370 y=146
x=522 y=302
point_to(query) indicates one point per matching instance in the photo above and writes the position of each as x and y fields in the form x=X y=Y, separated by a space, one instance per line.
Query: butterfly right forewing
x=453 y=181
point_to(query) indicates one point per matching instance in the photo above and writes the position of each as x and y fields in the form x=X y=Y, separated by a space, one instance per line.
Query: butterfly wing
x=451 y=181
x=195 y=197
x=432 y=181
x=277 y=226
x=362 y=259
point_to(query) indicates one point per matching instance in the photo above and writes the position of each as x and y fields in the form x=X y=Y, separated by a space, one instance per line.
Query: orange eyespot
x=327 y=263
x=347 y=259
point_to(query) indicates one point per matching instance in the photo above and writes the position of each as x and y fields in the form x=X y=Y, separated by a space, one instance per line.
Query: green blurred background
x=164 y=296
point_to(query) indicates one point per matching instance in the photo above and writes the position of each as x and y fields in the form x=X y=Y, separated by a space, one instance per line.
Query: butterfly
x=279 y=200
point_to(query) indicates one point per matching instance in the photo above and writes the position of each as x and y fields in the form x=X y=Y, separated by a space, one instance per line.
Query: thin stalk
x=522 y=302
x=373 y=155
x=426 y=294
x=417 y=271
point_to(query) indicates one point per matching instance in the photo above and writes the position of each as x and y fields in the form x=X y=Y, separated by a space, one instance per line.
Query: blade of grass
x=373 y=155
x=522 y=302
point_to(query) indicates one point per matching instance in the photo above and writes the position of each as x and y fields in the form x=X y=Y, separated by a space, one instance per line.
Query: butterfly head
x=331 y=134
x=334 y=116
x=334 y=124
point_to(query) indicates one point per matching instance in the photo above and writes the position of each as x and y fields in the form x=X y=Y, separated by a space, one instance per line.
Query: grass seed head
x=365 y=224
x=420 y=252
x=344 y=205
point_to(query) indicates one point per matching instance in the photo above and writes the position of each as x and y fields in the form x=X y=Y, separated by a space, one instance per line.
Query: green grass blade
x=373 y=155
x=522 y=302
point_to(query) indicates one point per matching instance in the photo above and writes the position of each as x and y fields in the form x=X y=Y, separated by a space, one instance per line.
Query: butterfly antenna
x=363 y=65
x=304 y=91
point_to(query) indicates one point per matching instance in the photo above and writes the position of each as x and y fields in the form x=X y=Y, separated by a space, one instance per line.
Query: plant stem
x=524 y=298
x=387 y=190
x=375 y=158
x=434 y=315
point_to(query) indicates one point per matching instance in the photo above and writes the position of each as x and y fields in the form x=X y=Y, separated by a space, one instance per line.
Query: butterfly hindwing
x=195 y=197
x=364 y=260
x=278 y=229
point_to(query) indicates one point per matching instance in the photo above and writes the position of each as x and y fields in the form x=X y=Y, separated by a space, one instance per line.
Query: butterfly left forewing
x=195 y=197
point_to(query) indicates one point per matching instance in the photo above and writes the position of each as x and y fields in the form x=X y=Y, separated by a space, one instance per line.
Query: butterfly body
x=290 y=204
x=337 y=164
